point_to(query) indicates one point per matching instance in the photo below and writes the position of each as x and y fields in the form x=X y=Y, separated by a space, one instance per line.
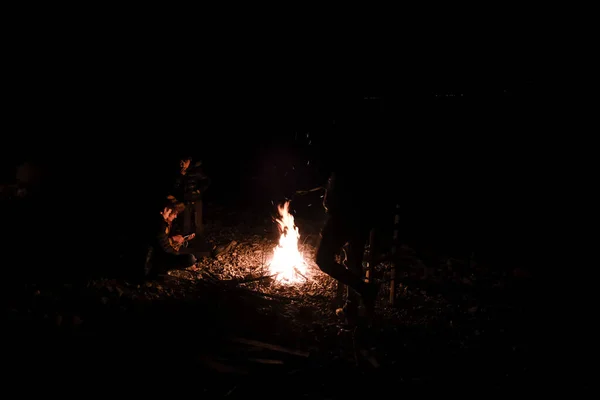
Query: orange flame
x=287 y=262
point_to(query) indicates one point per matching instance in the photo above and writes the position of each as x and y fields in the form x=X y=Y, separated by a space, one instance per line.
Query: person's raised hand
x=166 y=212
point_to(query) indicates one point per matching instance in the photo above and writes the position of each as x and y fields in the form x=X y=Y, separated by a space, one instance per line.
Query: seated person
x=168 y=254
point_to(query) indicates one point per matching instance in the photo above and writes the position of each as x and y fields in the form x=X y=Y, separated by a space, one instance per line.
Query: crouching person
x=165 y=251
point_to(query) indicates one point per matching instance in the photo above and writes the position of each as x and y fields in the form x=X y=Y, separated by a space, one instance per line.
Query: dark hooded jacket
x=362 y=180
x=191 y=186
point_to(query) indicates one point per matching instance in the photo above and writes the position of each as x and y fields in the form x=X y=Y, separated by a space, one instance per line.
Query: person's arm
x=202 y=180
x=178 y=187
x=329 y=195
x=203 y=184
x=163 y=240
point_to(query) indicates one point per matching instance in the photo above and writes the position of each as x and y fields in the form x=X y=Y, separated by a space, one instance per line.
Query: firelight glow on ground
x=288 y=262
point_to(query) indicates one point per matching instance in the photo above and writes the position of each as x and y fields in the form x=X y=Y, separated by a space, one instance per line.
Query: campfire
x=287 y=263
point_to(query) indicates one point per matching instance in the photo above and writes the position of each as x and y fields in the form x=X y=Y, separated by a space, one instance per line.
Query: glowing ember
x=287 y=262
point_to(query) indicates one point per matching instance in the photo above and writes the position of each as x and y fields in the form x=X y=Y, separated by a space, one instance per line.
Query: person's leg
x=187 y=220
x=355 y=251
x=150 y=259
x=151 y=263
x=196 y=249
x=160 y=264
x=170 y=262
x=198 y=218
x=333 y=236
x=199 y=243
x=185 y=260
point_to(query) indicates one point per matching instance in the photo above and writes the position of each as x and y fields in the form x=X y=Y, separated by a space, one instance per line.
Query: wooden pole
x=394 y=251
x=341 y=288
x=369 y=258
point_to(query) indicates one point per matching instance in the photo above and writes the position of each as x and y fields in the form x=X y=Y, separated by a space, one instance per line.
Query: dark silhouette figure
x=355 y=204
x=189 y=186
x=348 y=225
x=357 y=200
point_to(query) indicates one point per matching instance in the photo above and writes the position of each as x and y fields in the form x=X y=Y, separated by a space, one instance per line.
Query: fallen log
x=248 y=280
x=279 y=297
x=266 y=361
x=300 y=273
x=212 y=276
x=270 y=346
x=225 y=248
x=372 y=360
x=272 y=296
x=222 y=368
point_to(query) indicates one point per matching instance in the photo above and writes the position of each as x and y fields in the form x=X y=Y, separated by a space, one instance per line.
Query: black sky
x=106 y=111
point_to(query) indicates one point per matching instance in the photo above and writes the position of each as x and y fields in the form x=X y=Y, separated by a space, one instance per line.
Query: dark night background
x=105 y=131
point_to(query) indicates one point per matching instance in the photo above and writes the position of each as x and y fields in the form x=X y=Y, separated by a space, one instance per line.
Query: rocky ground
x=231 y=329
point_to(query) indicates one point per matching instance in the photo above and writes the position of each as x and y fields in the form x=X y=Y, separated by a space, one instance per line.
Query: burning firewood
x=287 y=262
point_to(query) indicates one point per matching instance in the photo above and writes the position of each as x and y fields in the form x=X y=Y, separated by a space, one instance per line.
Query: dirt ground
x=231 y=330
